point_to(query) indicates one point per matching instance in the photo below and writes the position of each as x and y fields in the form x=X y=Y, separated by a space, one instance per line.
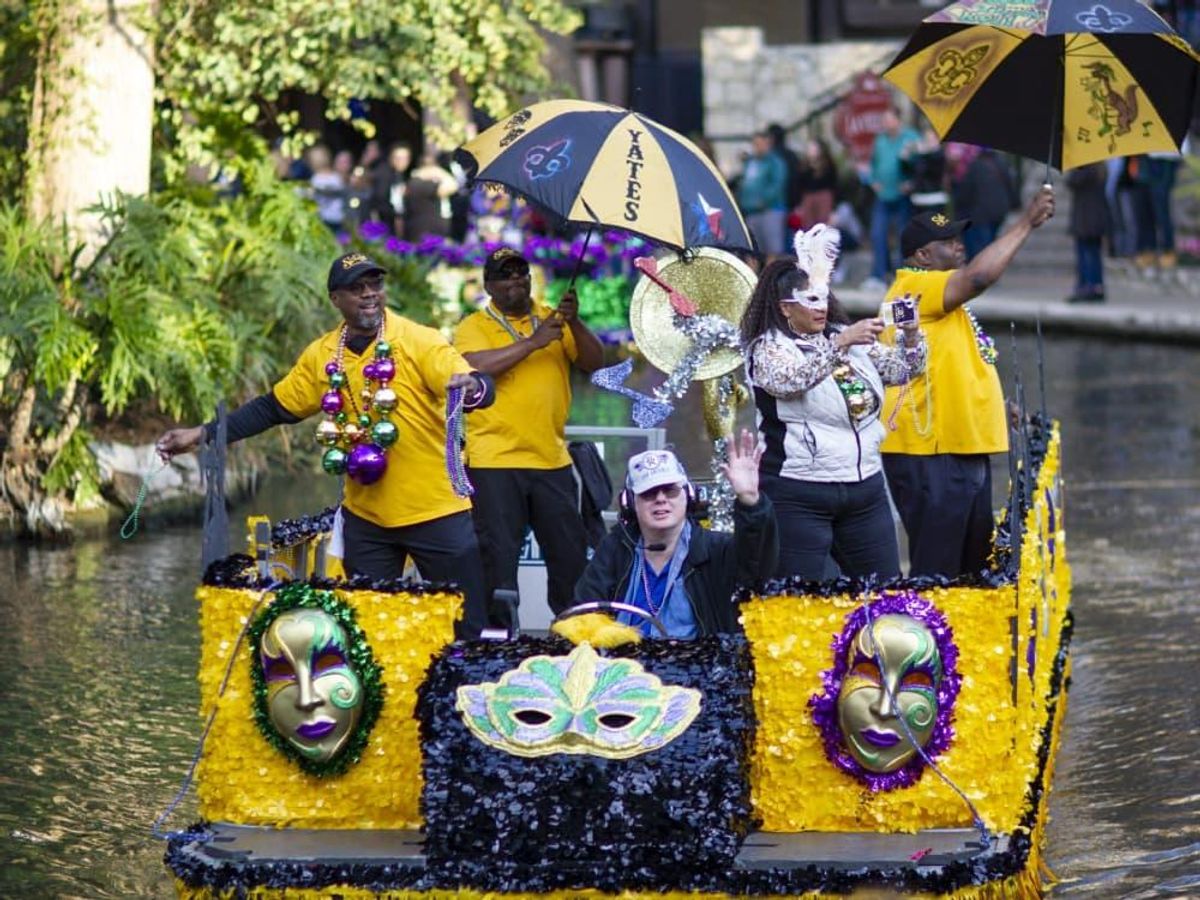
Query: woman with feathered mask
x=818 y=390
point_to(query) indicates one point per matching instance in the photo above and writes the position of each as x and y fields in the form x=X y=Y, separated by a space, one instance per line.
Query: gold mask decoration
x=912 y=669
x=582 y=704
x=314 y=696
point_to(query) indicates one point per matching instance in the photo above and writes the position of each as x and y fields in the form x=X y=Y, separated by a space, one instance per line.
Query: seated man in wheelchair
x=676 y=573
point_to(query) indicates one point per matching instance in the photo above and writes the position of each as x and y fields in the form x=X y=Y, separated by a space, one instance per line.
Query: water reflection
x=98 y=672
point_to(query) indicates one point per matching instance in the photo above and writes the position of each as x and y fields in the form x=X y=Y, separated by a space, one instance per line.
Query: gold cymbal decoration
x=717 y=281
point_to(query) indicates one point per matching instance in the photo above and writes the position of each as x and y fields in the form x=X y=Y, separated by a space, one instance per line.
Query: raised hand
x=741 y=470
x=1041 y=207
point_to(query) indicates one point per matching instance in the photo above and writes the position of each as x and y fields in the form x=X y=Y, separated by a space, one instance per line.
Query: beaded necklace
x=853 y=388
x=987 y=347
x=456 y=399
x=654 y=610
x=357 y=442
x=507 y=326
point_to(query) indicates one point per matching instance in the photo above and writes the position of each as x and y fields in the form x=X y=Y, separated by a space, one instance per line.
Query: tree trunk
x=93 y=107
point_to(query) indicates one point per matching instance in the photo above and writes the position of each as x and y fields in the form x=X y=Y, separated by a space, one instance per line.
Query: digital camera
x=904 y=312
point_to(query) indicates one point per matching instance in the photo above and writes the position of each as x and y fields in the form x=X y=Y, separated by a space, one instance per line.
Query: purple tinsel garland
x=824 y=706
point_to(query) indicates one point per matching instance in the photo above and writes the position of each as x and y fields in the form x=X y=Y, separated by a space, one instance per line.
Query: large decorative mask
x=316 y=686
x=894 y=682
x=581 y=703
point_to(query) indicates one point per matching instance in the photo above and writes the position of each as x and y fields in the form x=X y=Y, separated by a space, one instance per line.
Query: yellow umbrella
x=1067 y=81
x=599 y=165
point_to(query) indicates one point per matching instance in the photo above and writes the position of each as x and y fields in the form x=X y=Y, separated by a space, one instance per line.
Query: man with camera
x=947 y=424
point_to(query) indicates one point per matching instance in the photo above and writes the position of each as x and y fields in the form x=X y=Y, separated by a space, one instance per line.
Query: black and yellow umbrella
x=1066 y=81
x=598 y=165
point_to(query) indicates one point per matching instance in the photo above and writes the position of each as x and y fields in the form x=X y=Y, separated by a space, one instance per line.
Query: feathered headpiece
x=816 y=254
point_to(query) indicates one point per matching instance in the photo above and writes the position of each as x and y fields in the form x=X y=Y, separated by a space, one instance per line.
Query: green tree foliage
x=191 y=299
x=196 y=297
x=224 y=65
x=18 y=63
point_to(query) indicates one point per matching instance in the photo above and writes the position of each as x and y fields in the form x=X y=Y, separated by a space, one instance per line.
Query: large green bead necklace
x=357 y=440
x=854 y=390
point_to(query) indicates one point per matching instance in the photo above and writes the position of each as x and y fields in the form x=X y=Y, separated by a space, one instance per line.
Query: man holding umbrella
x=947 y=423
x=517 y=449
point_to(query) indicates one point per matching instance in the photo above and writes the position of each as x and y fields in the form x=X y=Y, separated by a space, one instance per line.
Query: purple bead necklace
x=357 y=442
x=456 y=399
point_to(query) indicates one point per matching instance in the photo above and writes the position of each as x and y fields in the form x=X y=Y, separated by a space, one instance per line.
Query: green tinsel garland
x=358 y=654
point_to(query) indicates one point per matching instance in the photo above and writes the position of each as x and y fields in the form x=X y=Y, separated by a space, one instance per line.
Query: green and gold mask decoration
x=891 y=691
x=317 y=687
x=580 y=704
x=868 y=716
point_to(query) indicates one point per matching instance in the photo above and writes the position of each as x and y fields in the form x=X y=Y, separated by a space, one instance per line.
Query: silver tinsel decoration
x=720 y=506
x=720 y=502
x=708 y=333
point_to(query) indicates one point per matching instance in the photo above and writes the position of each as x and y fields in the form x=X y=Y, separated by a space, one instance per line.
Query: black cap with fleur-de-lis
x=928 y=227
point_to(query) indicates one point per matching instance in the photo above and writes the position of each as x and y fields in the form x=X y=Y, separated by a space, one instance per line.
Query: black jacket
x=987 y=191
x=716 y=564
x=1089 y=206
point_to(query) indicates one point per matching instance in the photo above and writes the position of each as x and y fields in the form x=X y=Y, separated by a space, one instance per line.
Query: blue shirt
x=886 y=176
x=675 y=611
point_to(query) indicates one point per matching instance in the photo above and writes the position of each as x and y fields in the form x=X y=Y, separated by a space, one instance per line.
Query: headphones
x=627 y=513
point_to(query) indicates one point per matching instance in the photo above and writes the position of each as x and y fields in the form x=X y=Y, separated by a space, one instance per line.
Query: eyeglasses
x=368 y=284
x=670 y=491
x=512 y=276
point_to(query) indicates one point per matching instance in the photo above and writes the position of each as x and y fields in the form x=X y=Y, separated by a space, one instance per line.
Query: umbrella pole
x=1058 y=96
x=579 y=262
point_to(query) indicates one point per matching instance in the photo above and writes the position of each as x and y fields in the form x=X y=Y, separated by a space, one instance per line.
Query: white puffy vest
x=812 y=437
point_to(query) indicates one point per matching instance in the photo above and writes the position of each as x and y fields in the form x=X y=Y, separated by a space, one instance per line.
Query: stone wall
x=748 y=83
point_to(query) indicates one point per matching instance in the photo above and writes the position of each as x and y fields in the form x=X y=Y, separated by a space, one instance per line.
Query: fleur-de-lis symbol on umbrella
x=1101 y=18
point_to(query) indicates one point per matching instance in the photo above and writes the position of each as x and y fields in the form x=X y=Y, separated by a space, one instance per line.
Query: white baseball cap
x=652 y=469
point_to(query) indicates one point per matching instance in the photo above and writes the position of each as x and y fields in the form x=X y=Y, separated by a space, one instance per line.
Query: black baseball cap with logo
x=502 y=258
x=927 y=227
x=350 y=267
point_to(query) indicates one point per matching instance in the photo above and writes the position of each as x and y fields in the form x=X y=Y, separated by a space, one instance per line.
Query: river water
x=100 y=649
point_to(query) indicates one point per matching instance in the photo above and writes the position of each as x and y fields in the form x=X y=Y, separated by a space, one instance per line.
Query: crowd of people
x=1120 y=209
x=411 y=195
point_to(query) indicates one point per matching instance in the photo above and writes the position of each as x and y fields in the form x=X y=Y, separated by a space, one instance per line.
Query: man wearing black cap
x=951 y=419
x=517 y=449
x=411 y=508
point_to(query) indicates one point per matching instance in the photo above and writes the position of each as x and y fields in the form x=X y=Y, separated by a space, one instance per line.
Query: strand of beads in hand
x=357 y=440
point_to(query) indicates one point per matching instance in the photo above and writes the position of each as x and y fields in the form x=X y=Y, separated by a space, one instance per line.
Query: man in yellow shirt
x=409 y=508
x=517 y=449
x=950 y=420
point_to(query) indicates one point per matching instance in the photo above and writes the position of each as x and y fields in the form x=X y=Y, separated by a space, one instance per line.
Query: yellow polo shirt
x=523 y=429
x=415 y=487
x=957 y=406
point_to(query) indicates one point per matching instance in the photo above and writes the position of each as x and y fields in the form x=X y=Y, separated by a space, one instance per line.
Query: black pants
x=848 y=521
x=945 y=503
x=506 y=501
x=444 y=549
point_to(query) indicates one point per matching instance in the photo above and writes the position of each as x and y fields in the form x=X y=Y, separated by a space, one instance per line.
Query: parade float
x=856 y=736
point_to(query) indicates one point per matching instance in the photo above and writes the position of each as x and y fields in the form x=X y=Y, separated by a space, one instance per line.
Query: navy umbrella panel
x=1030 y=78
x=603 y=166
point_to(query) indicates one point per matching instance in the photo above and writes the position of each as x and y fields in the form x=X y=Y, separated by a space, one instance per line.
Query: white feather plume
x=816 y=255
